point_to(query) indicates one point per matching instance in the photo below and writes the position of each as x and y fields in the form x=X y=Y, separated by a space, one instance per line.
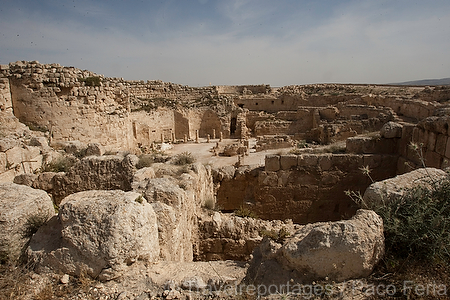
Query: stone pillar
x=173 y=137
x=185 y=138
x=220 y=136
x=208 y=138
x=162 y=137
x=196 y=135
x=214 y=134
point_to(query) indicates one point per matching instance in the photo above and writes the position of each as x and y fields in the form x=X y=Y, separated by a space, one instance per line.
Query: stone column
x=214 y=134
x=173 y=137
x=208 y=138
x=220 y=136
x=185 y=138
x=196 y=135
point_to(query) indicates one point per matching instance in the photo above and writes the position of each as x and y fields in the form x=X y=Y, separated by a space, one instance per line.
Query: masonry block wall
x=305 y=188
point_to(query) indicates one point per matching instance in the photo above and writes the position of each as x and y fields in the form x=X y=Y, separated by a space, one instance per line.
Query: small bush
x=62 y=164
x=145 y=161
x=139 y=199
x=417 y=224
x=278 y=237
x=210 y=203
x=245 y=213
x=184 y=158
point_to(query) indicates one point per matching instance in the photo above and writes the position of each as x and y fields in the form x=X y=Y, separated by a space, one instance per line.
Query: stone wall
x=305 y=188
x=432 y=144
x=116 y=113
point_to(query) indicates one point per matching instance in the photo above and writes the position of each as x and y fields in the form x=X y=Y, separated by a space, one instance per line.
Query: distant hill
x=443 y=81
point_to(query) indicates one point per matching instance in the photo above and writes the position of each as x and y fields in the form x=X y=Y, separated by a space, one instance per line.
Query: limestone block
x=25 y=179
x=7 y=176
x=100 y=232
x=337 y=250
x=7 y=143
x=395 y=187
x=288 y=161
x=447 y=149
x=3 y=162
x=432 y=159
x=305 y=160
x=431 y=142
x=391 y=130
x=41 y=142
x=272 y=163
x=372 y=160
x=15 y=156
x=73 y=147
x=94 y=149
x=44 y=181
x=325 y=162
x=170 y=233
x=17 y=204
x=441 y=144
x=405 y=166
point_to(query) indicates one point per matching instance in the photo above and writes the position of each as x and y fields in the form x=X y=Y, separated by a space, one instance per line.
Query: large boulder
x=97 y=232
x=108 y=172
x=176 y=199
x=388 y=189
x=339 y=250
x=22 y=210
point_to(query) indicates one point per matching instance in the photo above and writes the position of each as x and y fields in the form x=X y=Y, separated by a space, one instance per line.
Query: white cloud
x=358 y=43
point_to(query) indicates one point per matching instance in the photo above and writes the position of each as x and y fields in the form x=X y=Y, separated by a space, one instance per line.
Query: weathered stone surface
x=395 y=187
x=95 y=173
x=74 y=147
x=25 y=179
x=223 y=173
x=140 y=176
x=39 y=142
x=391 y=130
x=288 y=161
x=98 y=232
x=18 y=203
x=272 y=163
x=95 y=149
x=338 y=250
x=177 y=199
x=7 y=143
x=229 y=237
x=44 y=181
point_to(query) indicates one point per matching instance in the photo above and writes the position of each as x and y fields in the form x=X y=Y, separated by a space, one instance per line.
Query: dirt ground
x=203 y=152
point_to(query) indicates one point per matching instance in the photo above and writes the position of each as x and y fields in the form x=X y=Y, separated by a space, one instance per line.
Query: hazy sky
x=227 y=42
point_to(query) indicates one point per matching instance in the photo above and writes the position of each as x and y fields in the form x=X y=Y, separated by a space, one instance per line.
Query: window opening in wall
x=256 y=103
x=241 y=105
x=273 y=102
x=282 y=101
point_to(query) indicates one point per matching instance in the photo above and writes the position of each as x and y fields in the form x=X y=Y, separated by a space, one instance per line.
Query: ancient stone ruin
x=103 y=151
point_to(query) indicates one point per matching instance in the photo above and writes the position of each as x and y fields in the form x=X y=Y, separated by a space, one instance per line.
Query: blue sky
x=198 y=42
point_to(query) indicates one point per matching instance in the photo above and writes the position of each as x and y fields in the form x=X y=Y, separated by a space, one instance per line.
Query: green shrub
x=145 y=161
x=416 y=225
x=62 y=164
x=245 y=213
x=184 y=158
x=277 y=236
